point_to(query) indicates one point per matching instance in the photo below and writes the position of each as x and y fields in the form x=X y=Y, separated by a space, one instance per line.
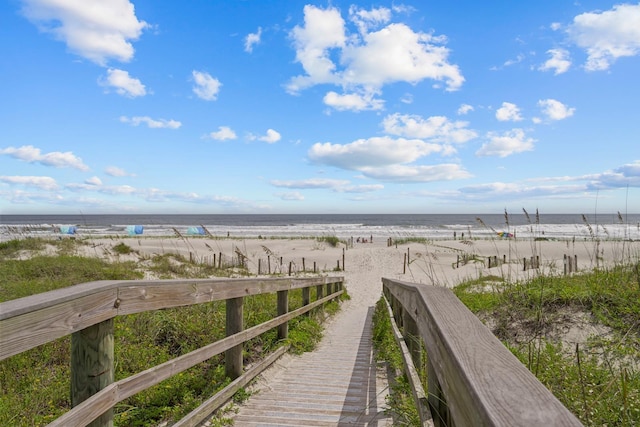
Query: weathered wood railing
x=473 y=379
x=86 y=311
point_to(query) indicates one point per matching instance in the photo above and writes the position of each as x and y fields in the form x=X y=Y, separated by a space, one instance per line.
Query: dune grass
x=35 y=384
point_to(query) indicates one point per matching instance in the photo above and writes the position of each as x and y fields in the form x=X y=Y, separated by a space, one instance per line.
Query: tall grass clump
x=400 y=403
x=332 y=241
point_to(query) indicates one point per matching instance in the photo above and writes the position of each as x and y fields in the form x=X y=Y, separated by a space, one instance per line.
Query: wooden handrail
x=28 y=322
x=474 y=380
x=31 y=321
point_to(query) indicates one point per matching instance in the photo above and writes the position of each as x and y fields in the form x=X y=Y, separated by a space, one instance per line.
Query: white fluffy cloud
x=369 y=58
x=223 y=133
x=251 y=40
x=42 y=182
x=353 y=101
x=123 y=83
x=627 y=175
x=608 y=35
x=435 y=128
x=372 y=152
x=31 y=154
x=98 y=30
x=271 y=137
x=206 y=87
x=152 y=123
x=464 y=109
x=508 y=112
x=506 y=144
x=555 y=110
x=559 y=61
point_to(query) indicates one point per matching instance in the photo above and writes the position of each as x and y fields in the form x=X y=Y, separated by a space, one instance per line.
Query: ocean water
x=431 y=226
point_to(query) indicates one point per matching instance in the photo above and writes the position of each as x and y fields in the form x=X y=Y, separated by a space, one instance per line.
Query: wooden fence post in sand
x=404 y=264
x=92 y=365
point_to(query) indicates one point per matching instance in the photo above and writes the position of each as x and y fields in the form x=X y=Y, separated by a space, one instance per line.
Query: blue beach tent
x=196 y=231
x=135 y=229
x=68 y=229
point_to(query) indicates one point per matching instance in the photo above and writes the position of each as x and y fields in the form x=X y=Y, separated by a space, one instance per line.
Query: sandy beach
x=436 y=262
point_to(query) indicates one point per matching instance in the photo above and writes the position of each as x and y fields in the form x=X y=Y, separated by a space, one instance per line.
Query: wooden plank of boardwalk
x=338 y=384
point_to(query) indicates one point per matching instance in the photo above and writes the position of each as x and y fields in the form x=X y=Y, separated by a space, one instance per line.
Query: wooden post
x=92 y=366
x=329 y=289
x=233 y=356
x=290 y=265
x=306 y=298
x=565 y=264
x=314 y=266
x=259 y=265
x=343 y=259
x=575 y=264
x=404 y=264
x=338 y=267
x=303 y=266
x=504 y=258
x=269 y=264
x=214 y=260
x=489 y=261
x=524 y=262
x=457 y=261
x=283 y=308
x=219 y=260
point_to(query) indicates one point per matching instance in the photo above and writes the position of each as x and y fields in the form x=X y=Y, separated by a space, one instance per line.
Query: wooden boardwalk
x=338 y=384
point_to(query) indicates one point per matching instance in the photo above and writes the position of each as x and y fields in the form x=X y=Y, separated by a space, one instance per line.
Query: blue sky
x=319 y=107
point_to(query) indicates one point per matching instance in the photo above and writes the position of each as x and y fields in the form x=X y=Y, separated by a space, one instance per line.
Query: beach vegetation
x=36 y=383
x=399 y=401
x=122 y=249
x=332 y=241
x=407 y=240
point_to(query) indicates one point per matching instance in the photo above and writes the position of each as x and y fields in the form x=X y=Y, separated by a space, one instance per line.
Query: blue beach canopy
x=135 y=229
x=68 y=229
x=196 y=231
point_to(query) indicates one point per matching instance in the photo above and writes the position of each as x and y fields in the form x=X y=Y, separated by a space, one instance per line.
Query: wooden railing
x=473 y=379
x=86 y=311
